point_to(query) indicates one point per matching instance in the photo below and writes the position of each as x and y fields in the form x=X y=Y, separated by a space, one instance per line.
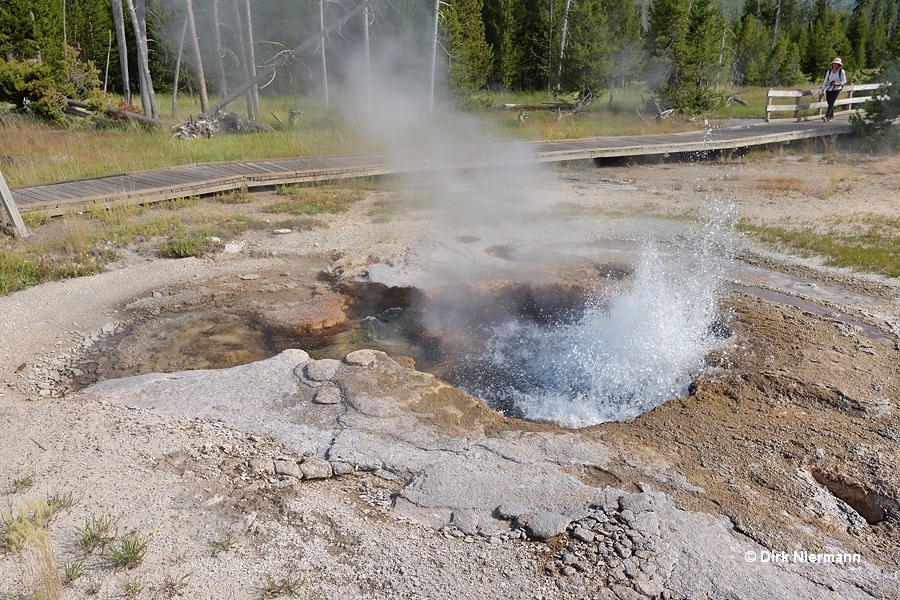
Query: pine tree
x=624 y=31
x=586 y=62
x=689 y=38
x=503 y=31
x=470 y=55
x=859 y=32
x=752 y=52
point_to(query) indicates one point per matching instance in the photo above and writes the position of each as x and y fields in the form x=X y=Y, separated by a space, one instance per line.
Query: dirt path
x=790 y=441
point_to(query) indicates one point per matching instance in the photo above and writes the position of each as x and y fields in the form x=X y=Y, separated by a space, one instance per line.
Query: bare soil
x=796 y=401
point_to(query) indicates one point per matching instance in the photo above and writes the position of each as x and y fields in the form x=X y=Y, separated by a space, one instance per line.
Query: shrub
x=875 y=124
x=42 y=89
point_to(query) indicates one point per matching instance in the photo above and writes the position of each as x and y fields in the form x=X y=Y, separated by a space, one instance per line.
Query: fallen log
x=116 y=113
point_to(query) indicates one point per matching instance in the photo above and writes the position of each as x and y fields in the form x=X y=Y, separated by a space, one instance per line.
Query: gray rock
x=466 y=521
x=328 y=395
x=543 y=525
x=623 y=592
x=648 y=587
x=510 y=511
x=286 y=484
x=585 y=535
x=636 y=503
x=316 y=468
x=626 y=516
x=387 y=475
x=341 y=468
x=262 y=465
x=361 y=358
x=288 y=468
x=322 y=370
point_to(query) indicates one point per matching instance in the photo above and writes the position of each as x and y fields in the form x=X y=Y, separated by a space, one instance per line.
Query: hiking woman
x=835 y=79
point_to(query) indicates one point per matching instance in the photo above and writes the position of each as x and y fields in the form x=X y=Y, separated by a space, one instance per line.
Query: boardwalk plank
x=174 y=182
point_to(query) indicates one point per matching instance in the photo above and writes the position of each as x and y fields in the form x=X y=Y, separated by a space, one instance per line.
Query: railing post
x=797 y=106
x=10 y=212
x=768 y=102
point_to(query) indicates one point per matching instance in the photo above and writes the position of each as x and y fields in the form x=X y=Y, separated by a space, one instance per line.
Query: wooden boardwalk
x=196 y=180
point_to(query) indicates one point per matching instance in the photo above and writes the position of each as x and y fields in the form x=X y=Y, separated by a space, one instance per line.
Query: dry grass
x=781 y=184
x=40 y=573
x=24 y=533
x=841 y=184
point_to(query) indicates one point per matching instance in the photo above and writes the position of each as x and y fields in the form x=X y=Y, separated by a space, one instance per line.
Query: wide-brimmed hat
x=837 y=61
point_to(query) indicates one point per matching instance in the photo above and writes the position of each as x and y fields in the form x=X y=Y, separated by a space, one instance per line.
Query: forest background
x=688 y=52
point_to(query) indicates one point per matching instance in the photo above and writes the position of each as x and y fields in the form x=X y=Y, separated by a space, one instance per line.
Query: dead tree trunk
x=195 y=50
x=242 y=53
x=284 y=57
x=178 y=66
x=142 y=20
x=368 y=62
x=148 y=97
x=322 y=51
x=434 y=44
x=251 y=60
x=119 y=20
x=220 y=64
x=562 y=44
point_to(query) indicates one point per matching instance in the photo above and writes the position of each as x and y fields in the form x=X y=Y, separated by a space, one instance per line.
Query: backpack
x=844 y=76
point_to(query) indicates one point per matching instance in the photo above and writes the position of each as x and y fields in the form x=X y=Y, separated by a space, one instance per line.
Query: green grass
x=85 y=244
x=299 y=223
x=17 y=527
x=317 y=200
x=97 y=533
x=72 y=571
x=223 y=544
x=36 y=153
x=173 y=586
x=185 y=244
x=133 y=587
x=129 y=552
x=23 y=531
x=285 y=586
x=22 y=483
x=875 y=247
x=239 y=196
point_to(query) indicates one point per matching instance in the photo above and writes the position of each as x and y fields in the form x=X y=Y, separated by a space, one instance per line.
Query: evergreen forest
x=688 y=52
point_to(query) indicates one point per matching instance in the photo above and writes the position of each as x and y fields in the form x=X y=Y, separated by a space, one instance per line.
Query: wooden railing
x=802 y=102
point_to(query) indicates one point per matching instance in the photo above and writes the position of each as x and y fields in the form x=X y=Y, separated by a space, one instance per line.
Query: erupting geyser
x=631 y=350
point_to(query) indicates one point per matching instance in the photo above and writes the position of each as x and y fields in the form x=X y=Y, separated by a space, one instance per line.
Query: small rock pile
x=219 y=123
x=55 y=374
x=252 y=462
x=606 y=550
